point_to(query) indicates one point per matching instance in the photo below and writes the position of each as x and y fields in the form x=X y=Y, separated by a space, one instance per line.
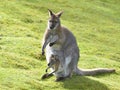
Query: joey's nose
x=51 y=27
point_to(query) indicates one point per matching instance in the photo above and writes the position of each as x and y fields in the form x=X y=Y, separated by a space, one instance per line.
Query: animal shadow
x=83 y=83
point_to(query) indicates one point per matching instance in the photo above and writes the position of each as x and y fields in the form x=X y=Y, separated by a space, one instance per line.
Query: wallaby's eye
x=55 y=21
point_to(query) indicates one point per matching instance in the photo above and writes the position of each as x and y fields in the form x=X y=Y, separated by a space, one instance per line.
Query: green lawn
x=96 y=25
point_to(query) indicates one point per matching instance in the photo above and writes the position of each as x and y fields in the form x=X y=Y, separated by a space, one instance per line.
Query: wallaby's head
x=54 y=20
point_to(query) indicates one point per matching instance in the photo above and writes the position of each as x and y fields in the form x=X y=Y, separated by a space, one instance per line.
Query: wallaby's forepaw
x=51 y=44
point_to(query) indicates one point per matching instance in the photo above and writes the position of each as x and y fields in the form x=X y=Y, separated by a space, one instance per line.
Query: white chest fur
x=53 y=38
x=56 y=46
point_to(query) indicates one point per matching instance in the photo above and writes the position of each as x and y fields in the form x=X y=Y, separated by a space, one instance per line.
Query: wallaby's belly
x=53 y=38
x=55 y=47
x=56 y=50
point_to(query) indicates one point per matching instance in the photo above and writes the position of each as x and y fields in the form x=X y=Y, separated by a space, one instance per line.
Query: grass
x=96 y=25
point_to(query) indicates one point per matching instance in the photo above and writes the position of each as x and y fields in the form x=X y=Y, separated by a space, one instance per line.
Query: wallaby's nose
x=51 y=27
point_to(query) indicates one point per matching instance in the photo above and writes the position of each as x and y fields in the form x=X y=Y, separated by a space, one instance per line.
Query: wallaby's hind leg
x=69 y=65
x=66 y=67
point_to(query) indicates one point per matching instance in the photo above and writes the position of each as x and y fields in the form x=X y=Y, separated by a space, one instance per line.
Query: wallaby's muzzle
x=52 y=27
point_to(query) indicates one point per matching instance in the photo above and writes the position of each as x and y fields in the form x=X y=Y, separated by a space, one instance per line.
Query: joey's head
x=54 y=20
x=52 y=61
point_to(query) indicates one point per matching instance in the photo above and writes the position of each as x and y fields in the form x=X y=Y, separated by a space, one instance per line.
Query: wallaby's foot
x=51 y=74
x=60 y=79
x=46 y=76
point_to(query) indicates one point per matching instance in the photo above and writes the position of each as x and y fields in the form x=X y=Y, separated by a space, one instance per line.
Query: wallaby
x=58 y=40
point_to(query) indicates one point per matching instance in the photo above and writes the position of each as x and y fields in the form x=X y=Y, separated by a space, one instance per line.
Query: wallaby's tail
x=90 y=72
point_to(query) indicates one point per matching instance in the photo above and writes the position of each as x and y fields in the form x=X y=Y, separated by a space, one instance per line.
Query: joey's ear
x=59 y=14
x=50 y=12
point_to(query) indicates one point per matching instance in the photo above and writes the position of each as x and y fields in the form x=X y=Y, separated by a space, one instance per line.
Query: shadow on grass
x=83 y=83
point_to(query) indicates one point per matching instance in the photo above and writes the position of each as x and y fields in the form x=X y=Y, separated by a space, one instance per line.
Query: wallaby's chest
x=53 y=38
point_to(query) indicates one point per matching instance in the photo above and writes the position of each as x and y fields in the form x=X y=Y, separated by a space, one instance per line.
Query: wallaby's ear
x=50 y=12
x=59 y=14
